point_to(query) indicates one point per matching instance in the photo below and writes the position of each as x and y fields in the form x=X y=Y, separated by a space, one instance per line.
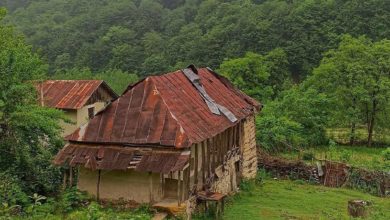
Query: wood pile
x=284 y=168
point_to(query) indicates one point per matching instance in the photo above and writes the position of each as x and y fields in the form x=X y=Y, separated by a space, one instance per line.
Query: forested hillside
x=153 y=36
x=321 y=69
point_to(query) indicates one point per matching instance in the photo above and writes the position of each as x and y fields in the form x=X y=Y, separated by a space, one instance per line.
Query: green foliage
x=71 y=199
x=345 y=156
x=95 y=212
x=360 y=96
x=29 y=134
x=386 y=154
x=10 y=191
x=296 y=118
x=116 y=79
x=281 y=199
x=308 y=155
x=356 y=156
x=261 y=77
x=145 y=37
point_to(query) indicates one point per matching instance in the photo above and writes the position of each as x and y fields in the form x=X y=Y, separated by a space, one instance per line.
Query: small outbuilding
x=79 y=99
x=167 y=138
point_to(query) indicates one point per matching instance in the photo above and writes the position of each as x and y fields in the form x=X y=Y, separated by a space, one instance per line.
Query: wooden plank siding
x=207 y=156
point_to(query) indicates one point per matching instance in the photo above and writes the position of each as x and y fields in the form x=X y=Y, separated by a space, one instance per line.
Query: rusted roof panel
x=70 y=94
x=167 y=110
x=105 y=157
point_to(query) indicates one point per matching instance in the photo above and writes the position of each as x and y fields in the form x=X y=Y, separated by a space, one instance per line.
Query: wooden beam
x=150 y=188
x=208 y=155
x=65 y=180
x=162 y=183
x=204 y=162
x=71 y=177
x=186 y=184
x=178 y=188
x=196 y=165
x=98 y=186
x=220 y=148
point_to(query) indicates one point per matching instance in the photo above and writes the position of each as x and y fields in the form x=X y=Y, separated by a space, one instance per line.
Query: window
x=91 y=112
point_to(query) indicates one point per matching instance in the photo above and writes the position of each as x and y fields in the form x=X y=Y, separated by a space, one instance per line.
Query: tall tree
x=29 y=133
x=357 y=76
x=259 y=76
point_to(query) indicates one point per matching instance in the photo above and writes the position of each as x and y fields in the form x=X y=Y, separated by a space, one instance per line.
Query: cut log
x=357 y=208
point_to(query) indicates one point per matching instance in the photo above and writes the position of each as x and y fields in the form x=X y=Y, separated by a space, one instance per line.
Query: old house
x=79 y=99
x=167 y=138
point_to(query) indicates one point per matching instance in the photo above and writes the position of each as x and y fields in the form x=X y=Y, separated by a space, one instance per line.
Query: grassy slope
x=361 y=156
x=279 y=199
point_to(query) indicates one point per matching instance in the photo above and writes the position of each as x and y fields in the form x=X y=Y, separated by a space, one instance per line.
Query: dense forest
x=316 y=65
x=153 y=36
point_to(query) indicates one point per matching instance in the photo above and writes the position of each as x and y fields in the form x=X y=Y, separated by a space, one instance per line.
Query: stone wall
x=249 y=157
x=226 y=181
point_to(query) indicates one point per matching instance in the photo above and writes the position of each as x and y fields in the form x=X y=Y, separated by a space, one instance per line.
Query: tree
x=116 y=79
x=357 y=75
x=261 y=77
x=297 y=118
x=29 y=133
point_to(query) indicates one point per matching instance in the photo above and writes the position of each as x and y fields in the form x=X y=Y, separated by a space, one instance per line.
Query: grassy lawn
x=358 y=156
x=283 y=199
x=342 y=135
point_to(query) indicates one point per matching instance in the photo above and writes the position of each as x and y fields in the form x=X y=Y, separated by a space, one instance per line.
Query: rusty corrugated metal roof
x=167 y=110
x=69 y=94
x=105 y=157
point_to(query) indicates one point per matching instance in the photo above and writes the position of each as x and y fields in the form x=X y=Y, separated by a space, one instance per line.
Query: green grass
x=92 y=212
x=342 y=135
x=359 y=156
x=283 y=199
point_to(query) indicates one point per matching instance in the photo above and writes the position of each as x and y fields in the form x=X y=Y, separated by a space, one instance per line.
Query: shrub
x=386 y=154
x=308 y=156
x=345 y=155
x=72 y=199
x=246 y=185
x=11 y=192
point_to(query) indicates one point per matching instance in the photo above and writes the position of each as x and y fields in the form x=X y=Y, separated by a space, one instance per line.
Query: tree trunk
x=371 y=124
x=353 y=134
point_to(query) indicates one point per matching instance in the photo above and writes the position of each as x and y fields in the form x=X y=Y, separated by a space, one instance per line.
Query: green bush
x=11 y=192
x=94 y=212
x=386 y=154
x=308 y=155
x=345 y=155
x=71 y=199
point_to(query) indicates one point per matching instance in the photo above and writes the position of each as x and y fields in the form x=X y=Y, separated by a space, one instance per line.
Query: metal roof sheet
x=167 y=110
x=103 y=157
x=70 y=94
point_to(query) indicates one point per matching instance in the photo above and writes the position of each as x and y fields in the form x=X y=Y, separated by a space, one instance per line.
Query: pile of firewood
x=284 y=168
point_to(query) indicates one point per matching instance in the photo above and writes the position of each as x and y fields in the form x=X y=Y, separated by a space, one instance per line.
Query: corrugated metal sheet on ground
x=69 y=94
x=167 y=110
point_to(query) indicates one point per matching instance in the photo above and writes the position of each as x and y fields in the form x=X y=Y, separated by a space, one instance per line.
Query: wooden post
x=186 y=183
x=162 y=184
x=71 y=177
x=178 y=188
x=42 y=101
x=65 y=180
x=204 y=162
x=220 y=149
x=150 y=188
x=98 y=186
x=208 y=150
x=196 y=166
